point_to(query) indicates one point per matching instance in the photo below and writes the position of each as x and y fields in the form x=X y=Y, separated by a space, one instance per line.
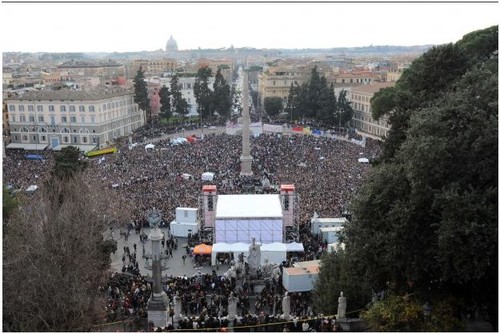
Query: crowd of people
x=205 y=304
x=326 y=174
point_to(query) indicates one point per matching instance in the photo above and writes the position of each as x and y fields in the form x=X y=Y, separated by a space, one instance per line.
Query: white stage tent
x=222 y=247
x=275 y=252
x=149 y=147
x=294 y=247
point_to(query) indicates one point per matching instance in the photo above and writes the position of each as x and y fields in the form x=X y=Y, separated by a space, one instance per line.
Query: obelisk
x=246 y=158
x=158 y=302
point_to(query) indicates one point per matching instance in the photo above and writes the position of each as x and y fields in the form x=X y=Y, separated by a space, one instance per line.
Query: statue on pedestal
x=177 y=305
x=253 y=257
x=232 y=307
x=285 y=304
x=342 y=307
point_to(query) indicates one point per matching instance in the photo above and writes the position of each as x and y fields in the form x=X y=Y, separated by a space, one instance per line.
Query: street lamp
x=426 y=308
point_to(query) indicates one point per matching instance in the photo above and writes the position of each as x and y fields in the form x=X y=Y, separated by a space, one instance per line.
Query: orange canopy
x=202 y=249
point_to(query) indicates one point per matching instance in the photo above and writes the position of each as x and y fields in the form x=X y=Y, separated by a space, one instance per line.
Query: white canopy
x=207 y=176
x=274 y=253
x=149 y=146
x=363 y=160
x=32 y=188
x=186 y=176
x=294 y=247
x=222 y=247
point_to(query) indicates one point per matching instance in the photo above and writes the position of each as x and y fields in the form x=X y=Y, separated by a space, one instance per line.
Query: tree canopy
x=141 y=94
x=273 y=105
x=425 y=222
x=203 y=93
x=317 y=100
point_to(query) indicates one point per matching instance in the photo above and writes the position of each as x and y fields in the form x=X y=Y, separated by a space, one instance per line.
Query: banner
x=273 y=128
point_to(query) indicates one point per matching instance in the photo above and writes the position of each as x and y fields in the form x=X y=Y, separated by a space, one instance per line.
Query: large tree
x=179 y=103
x=426 y=220
x=273 y=105
x=55 y=257
x=165 y=109
x=141 y=94
x=203 y=93
x=221 y=96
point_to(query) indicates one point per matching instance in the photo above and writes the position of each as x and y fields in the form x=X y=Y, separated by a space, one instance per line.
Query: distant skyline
x=129 y=27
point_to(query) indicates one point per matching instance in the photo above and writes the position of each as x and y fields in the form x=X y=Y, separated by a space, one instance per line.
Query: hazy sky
x=67 y=27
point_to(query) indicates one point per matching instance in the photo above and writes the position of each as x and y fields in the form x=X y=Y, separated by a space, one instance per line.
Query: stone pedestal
x=157 y=310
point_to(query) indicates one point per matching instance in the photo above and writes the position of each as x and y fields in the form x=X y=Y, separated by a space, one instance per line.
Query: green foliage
x=335 y=275
x=166 y=108
x=273 y=105
x=141 y=93
x=221 y=96
x=68 y=162
x=179 y=104
x=394 y=314
x=429 y=211
x=203 y=93
x=315 y=99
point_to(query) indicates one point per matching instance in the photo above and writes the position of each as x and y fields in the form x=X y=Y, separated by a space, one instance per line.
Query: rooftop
x=372 y=88
x=66 y=94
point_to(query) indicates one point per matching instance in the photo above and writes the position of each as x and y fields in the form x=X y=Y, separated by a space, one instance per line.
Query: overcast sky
x=124 y=27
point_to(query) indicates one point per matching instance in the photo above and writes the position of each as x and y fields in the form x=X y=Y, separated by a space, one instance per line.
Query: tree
x=203 y=93
x=179 y=104
x=344 y=109
x=273 y=105
x=165 y=109
x=141 y=94
x=221 y=96
x=55 y=260
x=428 y=214
x=68 y=162
x=335 y=277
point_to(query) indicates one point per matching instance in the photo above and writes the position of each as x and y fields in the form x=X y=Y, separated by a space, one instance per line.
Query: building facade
x=362 y=118
x=86 y=119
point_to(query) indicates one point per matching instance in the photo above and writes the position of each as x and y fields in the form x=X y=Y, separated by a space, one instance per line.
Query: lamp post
x=426 y=308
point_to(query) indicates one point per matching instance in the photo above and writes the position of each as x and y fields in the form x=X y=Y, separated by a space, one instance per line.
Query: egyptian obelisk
x=158 y=303
x=246 y=158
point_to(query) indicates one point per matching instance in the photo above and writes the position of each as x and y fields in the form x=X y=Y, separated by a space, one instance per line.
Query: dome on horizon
x=172 y=45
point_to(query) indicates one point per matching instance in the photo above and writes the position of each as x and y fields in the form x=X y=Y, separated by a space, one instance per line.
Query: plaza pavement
x=175 y=265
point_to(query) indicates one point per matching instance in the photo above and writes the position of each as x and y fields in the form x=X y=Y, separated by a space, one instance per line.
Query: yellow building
x=277 y=81
x=362 y=118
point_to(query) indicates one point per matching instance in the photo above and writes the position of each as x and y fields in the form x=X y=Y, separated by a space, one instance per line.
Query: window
x=44 y=138
x=62 y=108
x=75 y=140
x=84 y=139
x=94 y=140
x=32 y=119
x=51 y=108
x=12 y=118
x=82 y=119
x=30 y=108
x=65 y=139
x=91 y=108
x=25 y=138
x=92 y=119
x=21 y=108
x=64 y=119
x=81 y=108
x=72 y=119
x=104 y=107
x=72 y=108
x=39 y=108
x=12 y=107
x=23 y=118
x=40 y=118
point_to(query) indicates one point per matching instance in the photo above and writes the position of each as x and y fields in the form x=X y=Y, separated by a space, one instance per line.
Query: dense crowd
x=205 y=304
x=324 y=170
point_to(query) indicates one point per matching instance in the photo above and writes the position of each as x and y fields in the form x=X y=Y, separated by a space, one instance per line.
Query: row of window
x=360 y=98
x=65 y=139
x=41 y=119
x=40 y=108
x=71 y=108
